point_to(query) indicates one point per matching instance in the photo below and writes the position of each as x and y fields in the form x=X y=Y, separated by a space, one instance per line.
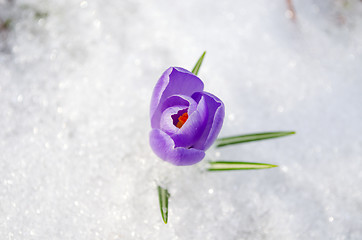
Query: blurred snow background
x=75 y=83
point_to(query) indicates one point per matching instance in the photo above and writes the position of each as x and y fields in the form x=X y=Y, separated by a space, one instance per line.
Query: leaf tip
x=163 y=196
x=197 y=66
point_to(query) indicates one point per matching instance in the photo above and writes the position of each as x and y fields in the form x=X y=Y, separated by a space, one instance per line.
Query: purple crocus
x=185 y=120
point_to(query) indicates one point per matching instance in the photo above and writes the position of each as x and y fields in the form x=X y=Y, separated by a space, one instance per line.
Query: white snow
x=75 y=84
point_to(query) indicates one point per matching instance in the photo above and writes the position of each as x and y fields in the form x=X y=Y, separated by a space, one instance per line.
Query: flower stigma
x=182 y=119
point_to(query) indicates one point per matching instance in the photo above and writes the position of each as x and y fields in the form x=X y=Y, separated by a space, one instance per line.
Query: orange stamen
x=182 y=119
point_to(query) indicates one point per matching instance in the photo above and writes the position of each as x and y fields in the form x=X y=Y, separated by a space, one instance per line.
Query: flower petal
x=171 y=106
x=166 y=122
x=215 y=119
x=173 y=81
x=164 y=147
x=191 y=131
x=179 y=100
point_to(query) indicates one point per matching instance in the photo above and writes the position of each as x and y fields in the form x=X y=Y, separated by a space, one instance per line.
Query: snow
x=75 y=84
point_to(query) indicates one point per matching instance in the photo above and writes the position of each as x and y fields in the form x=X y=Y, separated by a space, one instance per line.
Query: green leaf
x=250 y=137
x=196 y=69
x=163 y=196
x=226 y=165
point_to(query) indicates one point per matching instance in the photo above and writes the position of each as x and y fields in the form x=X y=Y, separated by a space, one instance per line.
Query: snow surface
x=75 y=84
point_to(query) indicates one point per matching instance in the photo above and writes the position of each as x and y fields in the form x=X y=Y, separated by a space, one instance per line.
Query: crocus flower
x=185 y=120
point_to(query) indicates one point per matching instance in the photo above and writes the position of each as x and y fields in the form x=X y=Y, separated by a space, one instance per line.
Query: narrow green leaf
x=226 y=165
x=250 y=137
x=163 y=197
x=196 y=69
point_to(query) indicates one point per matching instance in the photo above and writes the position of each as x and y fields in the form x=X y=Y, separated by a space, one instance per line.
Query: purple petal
x=179 y=100
x=164 y=147
x=174 y=81
x=215 y=119
x=166 y=122
x=191 y=131
x=159 y=89
x=171 y=106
